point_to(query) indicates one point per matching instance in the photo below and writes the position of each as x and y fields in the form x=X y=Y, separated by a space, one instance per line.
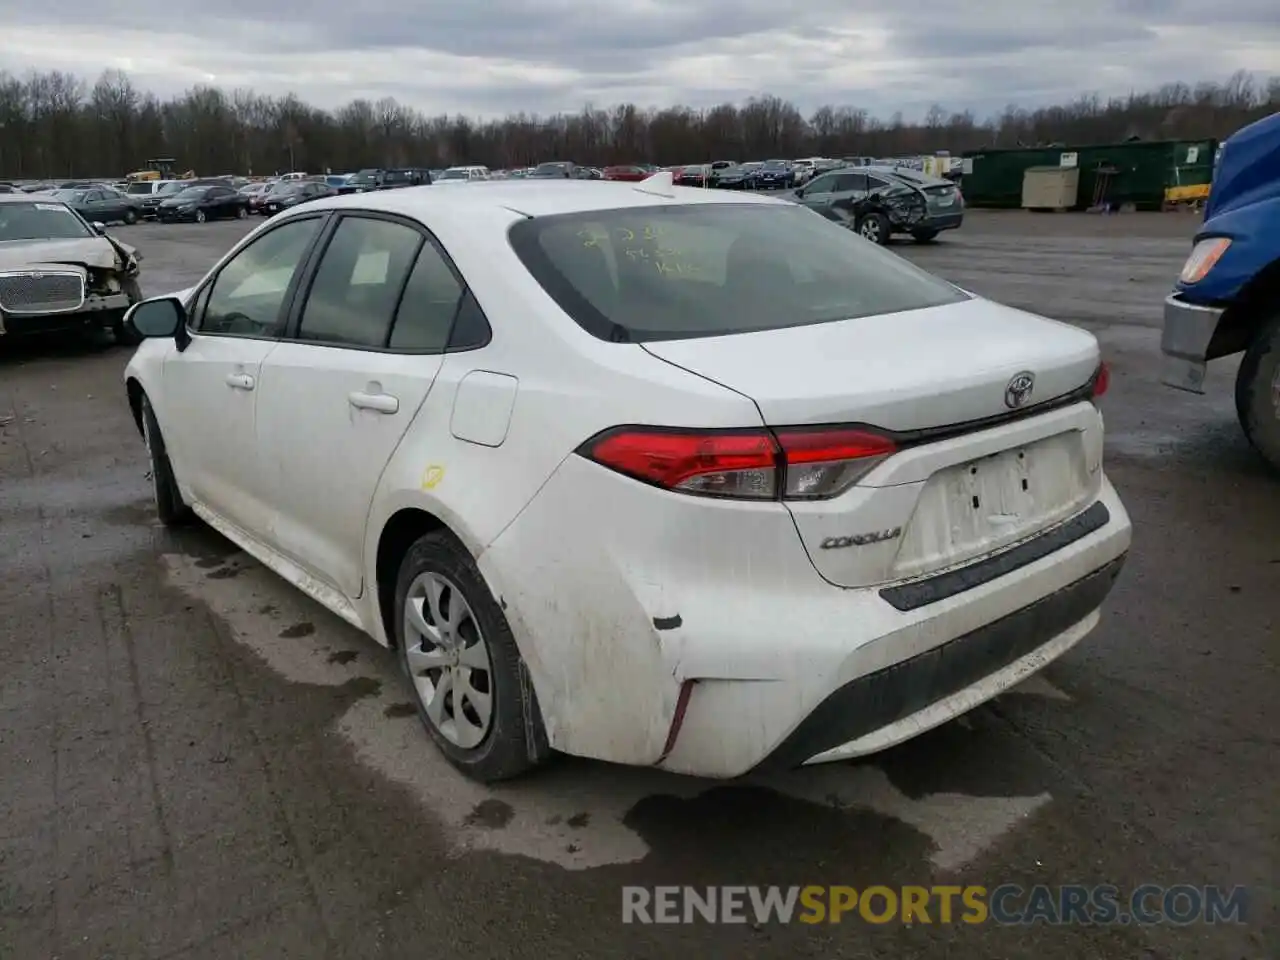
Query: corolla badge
x=1018 y=392
x=861 y=539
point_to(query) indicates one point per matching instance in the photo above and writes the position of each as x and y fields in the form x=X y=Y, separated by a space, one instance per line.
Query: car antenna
x=661 y=184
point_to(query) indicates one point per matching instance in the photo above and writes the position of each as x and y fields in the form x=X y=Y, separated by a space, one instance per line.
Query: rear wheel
x=169 y=506
x=875 y=227
x=924 y=236
x=469 y=681
x=241 y=212
x=1258 y=392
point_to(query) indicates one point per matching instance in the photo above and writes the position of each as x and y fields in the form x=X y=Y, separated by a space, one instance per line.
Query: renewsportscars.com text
x=1007 y=904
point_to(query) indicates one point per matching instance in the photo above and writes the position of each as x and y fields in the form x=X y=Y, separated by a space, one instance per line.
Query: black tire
x=169 y=506
x=241 y=213
x=875 y=227
x=200 y=216
x=924 y=236
x=130 y=217
x=1258 y=392
x=516 y=740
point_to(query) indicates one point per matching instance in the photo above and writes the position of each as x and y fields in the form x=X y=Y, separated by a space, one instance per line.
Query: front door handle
x=379 y=402
x=240 y=381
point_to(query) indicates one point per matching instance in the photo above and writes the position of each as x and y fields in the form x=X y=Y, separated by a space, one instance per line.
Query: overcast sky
x=493 y=57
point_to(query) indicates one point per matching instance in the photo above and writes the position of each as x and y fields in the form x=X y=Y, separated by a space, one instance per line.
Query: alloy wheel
x=448 y=660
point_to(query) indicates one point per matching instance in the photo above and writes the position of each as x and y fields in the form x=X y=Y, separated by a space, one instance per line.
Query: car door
x=850 y=189
x=211 y=385
x=339 y=392
x=113 y=206
x=819 y=193
x=91 y=205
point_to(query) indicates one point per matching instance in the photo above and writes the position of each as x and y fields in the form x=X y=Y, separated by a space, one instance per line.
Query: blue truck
x=1227 y=298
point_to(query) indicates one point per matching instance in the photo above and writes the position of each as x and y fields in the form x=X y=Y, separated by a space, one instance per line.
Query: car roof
x=27 y=198
x=536 y=198
x=909 y=174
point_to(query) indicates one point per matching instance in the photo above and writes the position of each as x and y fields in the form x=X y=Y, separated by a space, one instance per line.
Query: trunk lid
x=937 y=502
x=902 y=372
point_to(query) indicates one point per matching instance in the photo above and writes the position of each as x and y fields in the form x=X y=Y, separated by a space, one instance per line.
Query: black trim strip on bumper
x=919 y=593
x=878 y=699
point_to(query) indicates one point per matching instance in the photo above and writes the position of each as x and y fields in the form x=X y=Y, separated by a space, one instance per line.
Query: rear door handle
x=379 y=402
x=240 y=381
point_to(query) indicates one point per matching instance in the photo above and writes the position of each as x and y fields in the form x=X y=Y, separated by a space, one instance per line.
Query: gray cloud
x=503 y=56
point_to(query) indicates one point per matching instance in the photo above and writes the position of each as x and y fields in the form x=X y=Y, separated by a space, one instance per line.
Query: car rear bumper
x=1188 y=331
x=942 y=221
x=697 y=636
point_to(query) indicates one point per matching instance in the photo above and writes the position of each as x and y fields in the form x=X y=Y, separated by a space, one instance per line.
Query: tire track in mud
x=573 y=813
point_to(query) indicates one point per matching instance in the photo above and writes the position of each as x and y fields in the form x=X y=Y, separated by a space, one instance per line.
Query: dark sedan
x=199 y=204
x=626 y=173
x=101 y=204
x=286 y=196
x=735 y=177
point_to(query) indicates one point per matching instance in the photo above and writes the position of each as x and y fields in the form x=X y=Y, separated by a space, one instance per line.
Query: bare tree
x=55 y=125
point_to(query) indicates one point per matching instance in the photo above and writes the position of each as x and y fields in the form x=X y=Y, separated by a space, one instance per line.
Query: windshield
x=365 y=176
x=705 y=270
x=140 y=188
x=40 y=221
x=69 y=196
x=453 y=175
x=192 y=193
x=775 y=165
x=171 y=188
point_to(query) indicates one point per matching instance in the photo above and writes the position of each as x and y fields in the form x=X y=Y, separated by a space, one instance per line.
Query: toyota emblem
x=1018 y=392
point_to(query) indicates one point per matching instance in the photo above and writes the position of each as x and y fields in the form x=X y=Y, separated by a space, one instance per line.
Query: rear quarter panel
x=570 y=386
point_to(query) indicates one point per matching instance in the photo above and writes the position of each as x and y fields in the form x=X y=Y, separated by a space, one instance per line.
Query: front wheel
x=469 y=681
x=241 y=213
x=200 y=217
x=130 y=217
x=169 y=506
x=1258 y=392
x=875 y=227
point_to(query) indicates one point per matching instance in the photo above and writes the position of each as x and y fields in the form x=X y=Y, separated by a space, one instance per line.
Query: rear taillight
x=800 y=463
x=1101 y=380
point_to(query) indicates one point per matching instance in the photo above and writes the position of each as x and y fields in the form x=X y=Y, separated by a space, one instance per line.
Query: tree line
x=55 y=125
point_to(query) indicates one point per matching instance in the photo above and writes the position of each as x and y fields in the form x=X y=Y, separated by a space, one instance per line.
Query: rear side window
x=705 y=270
x=429 y=305
x=358 y=283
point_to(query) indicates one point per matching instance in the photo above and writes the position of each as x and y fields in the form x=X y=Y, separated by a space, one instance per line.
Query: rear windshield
x=707 y=270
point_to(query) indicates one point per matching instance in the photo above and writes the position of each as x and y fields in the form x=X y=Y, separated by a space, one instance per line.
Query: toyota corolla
x=679 y=478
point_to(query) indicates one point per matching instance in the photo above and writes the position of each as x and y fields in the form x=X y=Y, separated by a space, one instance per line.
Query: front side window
x=249 y=292
x=705 y=270
x=358 y=283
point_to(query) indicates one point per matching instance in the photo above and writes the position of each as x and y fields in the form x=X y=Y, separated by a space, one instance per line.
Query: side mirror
x=161 y=317
x=99 y=228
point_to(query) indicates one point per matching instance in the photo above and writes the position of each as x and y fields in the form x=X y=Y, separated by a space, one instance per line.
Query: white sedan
x=668 y=477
